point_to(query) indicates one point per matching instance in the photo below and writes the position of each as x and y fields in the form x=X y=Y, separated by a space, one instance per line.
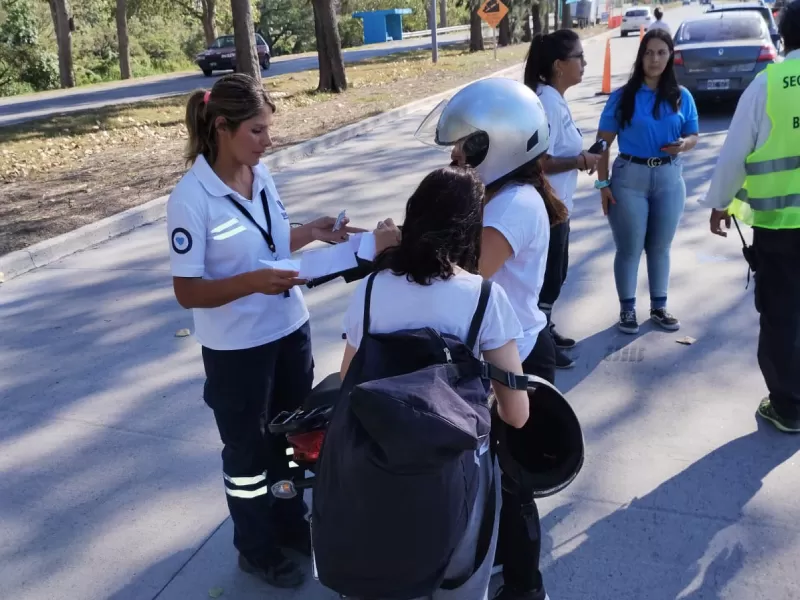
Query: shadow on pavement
x=687 y=554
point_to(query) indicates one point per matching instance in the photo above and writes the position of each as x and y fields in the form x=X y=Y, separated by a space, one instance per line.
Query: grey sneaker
x=662 y=318
x=767 y=412
x=627 y=322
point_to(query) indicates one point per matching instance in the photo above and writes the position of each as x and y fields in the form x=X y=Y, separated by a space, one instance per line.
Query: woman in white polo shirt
x=224 y=218
x=555 y=63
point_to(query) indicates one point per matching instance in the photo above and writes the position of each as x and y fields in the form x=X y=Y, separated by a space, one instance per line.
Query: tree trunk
x=430 y=8
x=504 y=32
x=442 y=13
x=122 y=39
x=332 y=76
x=546 y=27
x=527 y=32
x=566 y=15
x=209 y=20
x=475 y=31
x=61 y=23
x=536 y=13
x=244 y=37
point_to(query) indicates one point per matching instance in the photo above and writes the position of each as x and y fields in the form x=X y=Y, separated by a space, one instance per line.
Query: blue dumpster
x=382 y=25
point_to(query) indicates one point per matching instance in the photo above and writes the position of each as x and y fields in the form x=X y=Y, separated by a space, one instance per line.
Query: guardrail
x=439 y=30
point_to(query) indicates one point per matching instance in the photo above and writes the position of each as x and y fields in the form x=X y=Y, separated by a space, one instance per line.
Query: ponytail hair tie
x=207 y=97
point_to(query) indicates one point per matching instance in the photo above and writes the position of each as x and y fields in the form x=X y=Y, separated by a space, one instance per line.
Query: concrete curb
x=48 y=251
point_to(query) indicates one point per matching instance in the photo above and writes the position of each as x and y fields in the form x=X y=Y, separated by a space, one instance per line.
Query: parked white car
x=634 y=19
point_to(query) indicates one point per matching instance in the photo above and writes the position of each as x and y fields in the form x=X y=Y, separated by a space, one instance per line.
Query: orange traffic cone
x=641 y=33
x=606 y=85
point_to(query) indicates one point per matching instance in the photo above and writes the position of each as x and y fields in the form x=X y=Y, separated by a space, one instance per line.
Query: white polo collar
x=214 y=186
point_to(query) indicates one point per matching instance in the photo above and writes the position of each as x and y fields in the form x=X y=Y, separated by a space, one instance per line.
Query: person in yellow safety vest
x=757 y=182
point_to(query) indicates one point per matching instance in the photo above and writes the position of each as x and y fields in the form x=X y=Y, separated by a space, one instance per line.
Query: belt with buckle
x=655 y=161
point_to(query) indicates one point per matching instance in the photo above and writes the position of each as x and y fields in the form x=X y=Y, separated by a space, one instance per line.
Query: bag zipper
x=447 y=355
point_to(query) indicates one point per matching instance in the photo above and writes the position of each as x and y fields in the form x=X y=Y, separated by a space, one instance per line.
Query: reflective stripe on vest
x=770 y=196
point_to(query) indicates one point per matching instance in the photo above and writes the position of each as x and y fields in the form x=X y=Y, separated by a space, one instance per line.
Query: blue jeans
x=649 y=205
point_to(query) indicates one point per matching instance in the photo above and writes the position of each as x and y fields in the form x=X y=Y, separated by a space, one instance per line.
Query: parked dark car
x=718 y=54
x=221 y=55
x=763 y=10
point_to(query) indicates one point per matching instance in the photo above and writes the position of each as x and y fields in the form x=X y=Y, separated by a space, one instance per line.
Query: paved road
x=109 y=462
x=17 y=109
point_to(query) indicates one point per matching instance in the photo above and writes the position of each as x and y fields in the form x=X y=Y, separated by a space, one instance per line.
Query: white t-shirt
x=519 y=214
x=446 y=305
x=210 y=238
x=566 y=140
x=659 y=25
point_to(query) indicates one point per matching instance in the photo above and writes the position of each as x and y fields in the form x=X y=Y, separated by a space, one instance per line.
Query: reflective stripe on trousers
x=246 y=487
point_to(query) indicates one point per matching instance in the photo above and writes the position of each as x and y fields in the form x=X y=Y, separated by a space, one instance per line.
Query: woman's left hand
x=322 y=230
x=675 y=149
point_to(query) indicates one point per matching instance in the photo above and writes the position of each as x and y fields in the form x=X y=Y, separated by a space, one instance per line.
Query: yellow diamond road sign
x=493 y=11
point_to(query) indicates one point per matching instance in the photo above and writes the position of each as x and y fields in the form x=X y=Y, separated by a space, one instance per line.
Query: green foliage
x=157 y=45
x=165 y=35
x=287 y=25
x=24 y=64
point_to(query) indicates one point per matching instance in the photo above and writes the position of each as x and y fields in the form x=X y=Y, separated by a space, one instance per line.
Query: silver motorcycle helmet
x=500 y=122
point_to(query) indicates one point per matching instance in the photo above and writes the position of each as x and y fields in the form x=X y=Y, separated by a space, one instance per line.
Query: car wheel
x=265 y=63
x=207 y=72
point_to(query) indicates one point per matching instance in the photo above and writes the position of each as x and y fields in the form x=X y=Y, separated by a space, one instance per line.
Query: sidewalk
x=109 y=461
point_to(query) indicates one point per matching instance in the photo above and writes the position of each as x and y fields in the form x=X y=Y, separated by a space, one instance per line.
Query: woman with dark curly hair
x=431 y=280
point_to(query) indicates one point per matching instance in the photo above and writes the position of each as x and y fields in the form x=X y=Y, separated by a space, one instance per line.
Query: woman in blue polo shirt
x=655 y=121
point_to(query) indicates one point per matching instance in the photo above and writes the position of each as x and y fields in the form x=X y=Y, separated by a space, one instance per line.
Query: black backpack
x=397 y=476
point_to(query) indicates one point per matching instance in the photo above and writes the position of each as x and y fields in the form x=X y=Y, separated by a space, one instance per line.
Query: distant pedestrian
x=554 y=64
x=655 y=121
x=659 y=23
x=223 y=218
x=757 y=180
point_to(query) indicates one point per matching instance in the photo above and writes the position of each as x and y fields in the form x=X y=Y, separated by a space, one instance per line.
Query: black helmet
x=546 y=454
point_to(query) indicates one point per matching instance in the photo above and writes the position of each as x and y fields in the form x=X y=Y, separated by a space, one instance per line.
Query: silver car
x=717 y=55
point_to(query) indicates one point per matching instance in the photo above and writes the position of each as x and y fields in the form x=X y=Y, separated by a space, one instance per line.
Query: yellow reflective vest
x=770 y=196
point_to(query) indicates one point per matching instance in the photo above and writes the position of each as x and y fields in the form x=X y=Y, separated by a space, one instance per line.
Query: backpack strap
x=367 y=302
x=477 y=318
x=510 y=380
x=489 y=371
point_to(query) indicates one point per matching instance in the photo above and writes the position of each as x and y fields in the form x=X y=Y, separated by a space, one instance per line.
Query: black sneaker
x=277 y=570
x=627 y=322
x=508 y=593
x=563 y=361
x=662 y=318
x=767 y=412
x=561 y=342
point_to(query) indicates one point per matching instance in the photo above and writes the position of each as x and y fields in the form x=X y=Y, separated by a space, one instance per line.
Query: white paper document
x=332 y=259
x=286 y=264
x=318 y=263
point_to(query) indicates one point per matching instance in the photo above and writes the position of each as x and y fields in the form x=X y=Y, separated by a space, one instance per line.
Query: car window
x=637 y=13
x=260 y=41
x=223 y=42
x=762 y=10
x=722 y=30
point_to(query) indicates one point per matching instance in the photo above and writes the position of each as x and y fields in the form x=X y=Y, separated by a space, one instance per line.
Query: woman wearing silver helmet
x=499 y=127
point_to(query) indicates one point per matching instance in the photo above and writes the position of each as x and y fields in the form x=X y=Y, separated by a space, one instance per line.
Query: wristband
x=599 y=185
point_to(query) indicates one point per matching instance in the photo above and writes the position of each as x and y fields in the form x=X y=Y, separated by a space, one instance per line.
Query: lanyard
x=267 y=234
